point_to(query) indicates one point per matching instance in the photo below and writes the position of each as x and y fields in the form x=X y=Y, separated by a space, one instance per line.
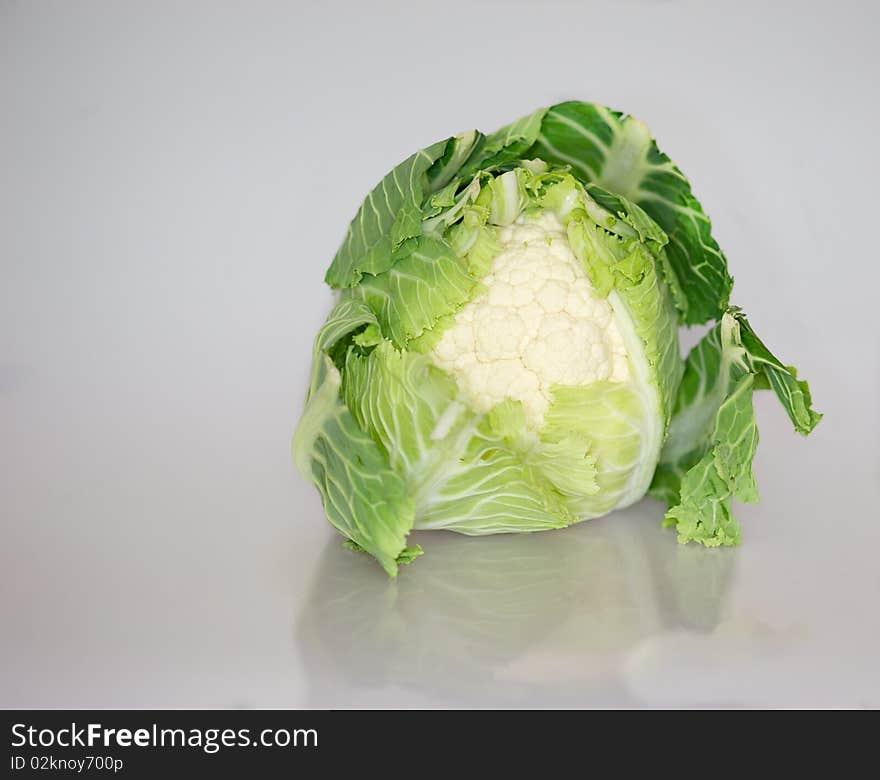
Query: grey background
x=174 y=179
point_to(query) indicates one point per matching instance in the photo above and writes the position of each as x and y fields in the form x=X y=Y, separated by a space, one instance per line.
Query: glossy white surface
x=175 y=179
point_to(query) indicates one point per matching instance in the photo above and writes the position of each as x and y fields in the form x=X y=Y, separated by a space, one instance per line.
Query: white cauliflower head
x=539 y=323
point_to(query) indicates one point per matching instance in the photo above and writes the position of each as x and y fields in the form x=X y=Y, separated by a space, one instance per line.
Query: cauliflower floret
x=538 y=323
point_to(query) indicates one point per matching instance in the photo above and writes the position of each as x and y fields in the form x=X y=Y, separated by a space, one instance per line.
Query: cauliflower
x=539 y=323
x=503 y=355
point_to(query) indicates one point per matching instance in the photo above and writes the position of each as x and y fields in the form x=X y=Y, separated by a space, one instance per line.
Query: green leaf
x=445 y=171
x=482 y=250
x=345 y=318
x=508 y=196
x=610 y=421
x=399 y=398
x=464 y=473
x=793 y=394
x=630 y=214
x=703 y=512
x=427 y=282
x=509 y=144
x=390 y=214
x=409 y=554
x=490 y=489
x=617 y=152
x=703 y=515
x=707 y=459
x=568 y=465
x=363 y=497
x=406 y=557
x=629 y=269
